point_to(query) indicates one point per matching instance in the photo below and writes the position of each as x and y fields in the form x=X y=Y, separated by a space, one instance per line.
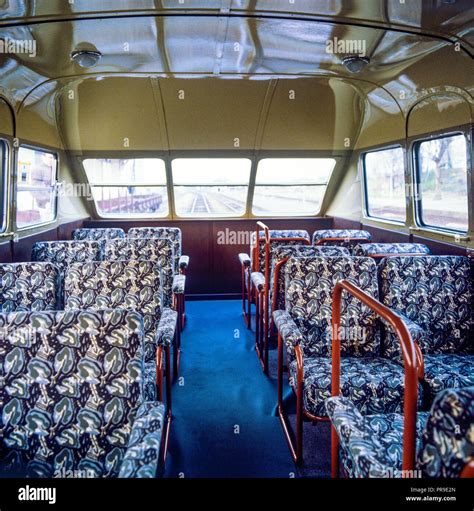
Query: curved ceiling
x=447 y=18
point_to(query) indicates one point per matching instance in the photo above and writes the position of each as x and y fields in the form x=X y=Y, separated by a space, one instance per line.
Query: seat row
x=430 y=295
x=98 y=366
x=263 y=281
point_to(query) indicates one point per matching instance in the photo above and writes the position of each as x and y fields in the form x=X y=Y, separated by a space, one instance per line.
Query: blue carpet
x=223 y=405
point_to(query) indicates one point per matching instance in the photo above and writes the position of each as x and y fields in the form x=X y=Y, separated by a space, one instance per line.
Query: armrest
x=143 y=452
x=244 y=259
x=167 y=327
x=179 y=283
x=258 y=280
x=287 y=329
x=356 y=439
x=183 y=263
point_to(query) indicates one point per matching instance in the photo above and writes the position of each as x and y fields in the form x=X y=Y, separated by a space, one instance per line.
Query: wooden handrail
x=410 y=362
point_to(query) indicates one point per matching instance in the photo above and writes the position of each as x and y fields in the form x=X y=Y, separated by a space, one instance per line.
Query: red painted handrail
x=410 y=361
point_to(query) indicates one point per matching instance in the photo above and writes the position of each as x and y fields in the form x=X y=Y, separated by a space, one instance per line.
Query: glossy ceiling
x=152 y=49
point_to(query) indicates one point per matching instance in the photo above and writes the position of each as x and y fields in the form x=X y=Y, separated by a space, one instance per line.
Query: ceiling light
x=86 y=58
x=355 y=64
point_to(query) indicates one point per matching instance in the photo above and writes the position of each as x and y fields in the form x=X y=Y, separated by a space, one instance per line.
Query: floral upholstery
x=63 y=253
x=447 y=371
x=29 y=286
x=373 y=382
x=448 y=440
x=370 y=445
x=310 y=283
x=156 y=250
x=171 y=233
x=435 y=292
x=369 y=249
x=344 y=236
x=133 y=285
x=98 y=233
x=72 y=395
x=282 y=236
x=374 y=385
x=283 y=251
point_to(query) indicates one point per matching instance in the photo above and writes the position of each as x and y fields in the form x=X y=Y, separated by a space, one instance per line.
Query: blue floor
x=223 y=405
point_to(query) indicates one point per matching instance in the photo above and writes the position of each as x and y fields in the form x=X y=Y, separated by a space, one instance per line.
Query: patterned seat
x=283 y=252
x=375 y=383
x=372 y=446
x=72 y=399
x=134 y=285
x=435 y=294
x=29 y=286
x=341 y=237
x=159 y=251
x=172 y=233
x=98 y=233
x=63 y=253
x=379 y=250
x=256 y=261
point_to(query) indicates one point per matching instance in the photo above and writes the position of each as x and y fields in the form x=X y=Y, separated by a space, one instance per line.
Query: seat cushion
x=374 y=385
x=448 y=439
x=370 y=446
x=447 y=371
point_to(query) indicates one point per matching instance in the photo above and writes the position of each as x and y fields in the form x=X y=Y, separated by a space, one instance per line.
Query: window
x=128 y=187
x=442 y=182
x=291 y=186
x=384 y=173
x=3 y=181
x=36 y=187
x=206 y=187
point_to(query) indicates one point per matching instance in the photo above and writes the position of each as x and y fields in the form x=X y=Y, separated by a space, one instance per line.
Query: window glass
x=210 y=186
x=128 y=187
x=36 y=187
x=291 y=186
x=385 y=184
x=442 y=176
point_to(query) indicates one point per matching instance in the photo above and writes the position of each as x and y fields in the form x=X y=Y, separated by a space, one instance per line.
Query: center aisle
x=223 y=405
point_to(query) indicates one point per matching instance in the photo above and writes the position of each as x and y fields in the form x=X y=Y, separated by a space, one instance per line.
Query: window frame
x=417 y=199
x=55 y=187
x=365 y=191
x=173 y=185
x=127 y=216
x=254 y=185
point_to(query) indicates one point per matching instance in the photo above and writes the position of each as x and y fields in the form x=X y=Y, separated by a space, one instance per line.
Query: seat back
x=29 y=286
x=310 y=282
x=380 y=250
x=447 y=444
x=341 y=237
x=279 y=257
x=63 y=253
x=172 y=233
x=277 y=238
x=133 y=285
x=72 y=384
x=435 y=292
x=158 y=250
x=98 y=233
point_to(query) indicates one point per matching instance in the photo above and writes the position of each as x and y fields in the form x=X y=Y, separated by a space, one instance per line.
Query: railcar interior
x=236 y=241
